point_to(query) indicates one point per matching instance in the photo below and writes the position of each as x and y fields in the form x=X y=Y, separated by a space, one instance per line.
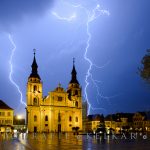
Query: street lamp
x=19 y=117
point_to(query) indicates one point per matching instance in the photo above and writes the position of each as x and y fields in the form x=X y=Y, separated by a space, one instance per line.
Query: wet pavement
x=54 y=141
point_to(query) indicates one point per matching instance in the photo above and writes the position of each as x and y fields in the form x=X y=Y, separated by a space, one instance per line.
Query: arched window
x=35 y=118
x=76 y=104
x=59 y=117
x=35 y=88
x=70 y=118
x=46 y=118
x=76 y=119
x=76 y=92
x=35 y=101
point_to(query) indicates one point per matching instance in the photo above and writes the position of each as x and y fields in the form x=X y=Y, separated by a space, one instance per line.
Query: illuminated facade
x=6 y=117
x=93 y=122
x=59 y=111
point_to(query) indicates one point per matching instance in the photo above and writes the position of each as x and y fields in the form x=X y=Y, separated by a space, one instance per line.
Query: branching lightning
x=11 y=70
x=91 y=16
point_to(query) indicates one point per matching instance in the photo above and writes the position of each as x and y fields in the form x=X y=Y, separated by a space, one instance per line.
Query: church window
x=76 y=104
x=46 y=118
x=35 y=88
x=70 y=118
x=76 y=92
x=59 y=98
x=59 y=117
x=35 y=118
x=35 y=102
x=76 y=119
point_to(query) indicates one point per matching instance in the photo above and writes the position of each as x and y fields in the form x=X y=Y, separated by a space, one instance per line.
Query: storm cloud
x=13 y=11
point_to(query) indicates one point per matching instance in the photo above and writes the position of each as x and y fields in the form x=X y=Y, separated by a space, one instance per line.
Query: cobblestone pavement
x=55 y=141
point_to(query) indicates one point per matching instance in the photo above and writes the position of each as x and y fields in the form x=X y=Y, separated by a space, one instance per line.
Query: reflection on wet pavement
x=68 y=141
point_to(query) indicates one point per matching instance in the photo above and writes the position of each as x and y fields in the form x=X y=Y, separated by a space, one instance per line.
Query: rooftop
x=4 y=106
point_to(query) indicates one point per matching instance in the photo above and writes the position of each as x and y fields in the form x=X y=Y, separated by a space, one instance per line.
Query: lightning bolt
x=91 y=16
x=11 y=70
x=69 y=19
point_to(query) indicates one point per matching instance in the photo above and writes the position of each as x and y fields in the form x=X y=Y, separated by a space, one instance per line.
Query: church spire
x=74 y=74
x=34 y=73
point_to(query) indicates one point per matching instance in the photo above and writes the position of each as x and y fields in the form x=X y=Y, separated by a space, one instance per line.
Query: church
x=59 y=111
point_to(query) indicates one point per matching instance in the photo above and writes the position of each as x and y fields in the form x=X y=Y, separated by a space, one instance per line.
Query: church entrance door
x=59 y=127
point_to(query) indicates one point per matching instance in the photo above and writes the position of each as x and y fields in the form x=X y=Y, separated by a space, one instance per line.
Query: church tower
x=74 y=89
x=59 y=111
x=34 y=98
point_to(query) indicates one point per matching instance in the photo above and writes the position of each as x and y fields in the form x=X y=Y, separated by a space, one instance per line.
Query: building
x=84 y=116
x=138 y=120
x=6 y=117
x=147 y=122
x=59 y=111
x=110 y=122
x=94 y=121
x=119 y=122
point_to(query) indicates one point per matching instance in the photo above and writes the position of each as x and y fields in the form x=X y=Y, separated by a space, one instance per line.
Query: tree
x=145 y=69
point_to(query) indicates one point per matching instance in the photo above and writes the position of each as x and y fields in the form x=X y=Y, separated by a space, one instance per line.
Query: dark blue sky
x=119 y=41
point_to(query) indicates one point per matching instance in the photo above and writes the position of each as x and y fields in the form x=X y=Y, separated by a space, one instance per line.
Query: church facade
x=59 y=111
